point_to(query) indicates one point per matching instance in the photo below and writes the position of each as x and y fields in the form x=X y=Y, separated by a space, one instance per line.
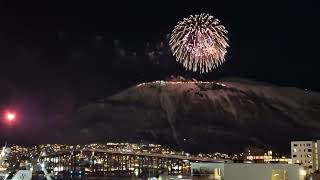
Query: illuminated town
x=124 y=159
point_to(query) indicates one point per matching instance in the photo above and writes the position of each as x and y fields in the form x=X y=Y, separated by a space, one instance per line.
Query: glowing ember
x=10 y=116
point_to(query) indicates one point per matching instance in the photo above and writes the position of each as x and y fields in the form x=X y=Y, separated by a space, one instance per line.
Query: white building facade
x=248 y=171
x=306 y=153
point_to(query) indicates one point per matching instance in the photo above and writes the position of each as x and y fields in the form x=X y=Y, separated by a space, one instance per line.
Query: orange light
x=10 y=116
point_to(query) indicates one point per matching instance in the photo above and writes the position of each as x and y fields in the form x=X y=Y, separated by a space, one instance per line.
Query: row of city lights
x=181 y=82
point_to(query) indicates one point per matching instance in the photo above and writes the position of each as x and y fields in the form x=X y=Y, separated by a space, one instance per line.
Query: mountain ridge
x=209 y=116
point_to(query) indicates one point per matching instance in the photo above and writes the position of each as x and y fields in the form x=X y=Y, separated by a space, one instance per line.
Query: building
x=306 y=154
x=261 y=156
x=248 y=171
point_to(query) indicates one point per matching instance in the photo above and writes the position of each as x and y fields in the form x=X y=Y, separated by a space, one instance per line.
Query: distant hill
x=226 y=115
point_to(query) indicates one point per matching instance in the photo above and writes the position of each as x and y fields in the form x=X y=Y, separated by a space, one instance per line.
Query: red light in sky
x=10 y=116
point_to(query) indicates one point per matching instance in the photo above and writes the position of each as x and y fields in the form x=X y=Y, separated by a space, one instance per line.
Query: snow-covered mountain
x=226 y=115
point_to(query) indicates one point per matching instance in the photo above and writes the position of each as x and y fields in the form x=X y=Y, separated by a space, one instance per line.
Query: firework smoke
x=199 y=43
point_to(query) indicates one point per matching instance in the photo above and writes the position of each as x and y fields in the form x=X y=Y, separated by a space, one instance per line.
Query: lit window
x=294 y=150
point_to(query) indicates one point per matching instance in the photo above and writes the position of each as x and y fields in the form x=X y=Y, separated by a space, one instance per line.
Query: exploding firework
x=199 y=43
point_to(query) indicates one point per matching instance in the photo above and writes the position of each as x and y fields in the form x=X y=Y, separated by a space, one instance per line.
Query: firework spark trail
x=199 y=43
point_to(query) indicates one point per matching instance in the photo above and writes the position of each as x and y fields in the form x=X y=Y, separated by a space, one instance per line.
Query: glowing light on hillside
x=162 y=83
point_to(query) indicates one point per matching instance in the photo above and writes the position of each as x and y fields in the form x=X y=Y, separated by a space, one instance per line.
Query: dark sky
x=57 y=56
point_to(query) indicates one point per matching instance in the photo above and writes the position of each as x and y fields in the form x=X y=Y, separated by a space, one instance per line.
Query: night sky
x=57 y=57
